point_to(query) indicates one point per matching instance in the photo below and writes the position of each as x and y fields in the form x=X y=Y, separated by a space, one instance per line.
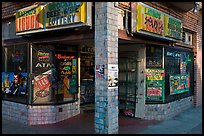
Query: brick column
x=106 y=55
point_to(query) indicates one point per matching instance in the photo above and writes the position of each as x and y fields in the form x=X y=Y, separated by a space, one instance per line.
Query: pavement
x=188 y=122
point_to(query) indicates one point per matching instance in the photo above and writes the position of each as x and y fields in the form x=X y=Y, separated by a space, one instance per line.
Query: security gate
x=128 y=68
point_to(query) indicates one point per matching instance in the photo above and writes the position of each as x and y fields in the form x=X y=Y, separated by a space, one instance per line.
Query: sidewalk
x=188 y=122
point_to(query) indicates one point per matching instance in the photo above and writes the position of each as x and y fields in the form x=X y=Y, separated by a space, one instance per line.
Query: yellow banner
x=64 y=13
x=30 y=18
x=149 y=20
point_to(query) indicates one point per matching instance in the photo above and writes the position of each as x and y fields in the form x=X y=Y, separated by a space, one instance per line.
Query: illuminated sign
x=172 y=28
x=63 y=13
x=30 y=18
x=149 y=20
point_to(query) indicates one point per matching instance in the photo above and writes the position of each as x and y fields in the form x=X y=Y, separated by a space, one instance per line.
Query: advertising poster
x=155 y=84
x=179 y=83
x=14 y=84
x=112 y=76
x=42 y=87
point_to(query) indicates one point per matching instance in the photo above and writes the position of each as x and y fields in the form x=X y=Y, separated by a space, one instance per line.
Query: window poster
x=155 y=84
x=179 y=83
x=112 y=76
x=14 y=84
x=42 y=88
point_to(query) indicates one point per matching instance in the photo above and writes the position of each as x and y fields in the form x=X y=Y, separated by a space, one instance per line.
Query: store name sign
x=156 y=23
x=29 y=19
x=172 y=28
x=63 y=13
x=149 y=20
x=53 y=16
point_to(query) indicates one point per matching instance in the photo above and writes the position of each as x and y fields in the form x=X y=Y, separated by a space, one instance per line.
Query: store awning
x=186 y=6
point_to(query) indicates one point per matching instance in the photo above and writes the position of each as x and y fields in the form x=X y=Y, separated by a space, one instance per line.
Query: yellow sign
x=172 y=28
x=30 y=18
x=149 y=20
x=64 y=13
x=154 y=77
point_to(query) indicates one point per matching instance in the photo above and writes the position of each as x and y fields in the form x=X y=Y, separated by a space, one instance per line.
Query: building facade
x=138 y=59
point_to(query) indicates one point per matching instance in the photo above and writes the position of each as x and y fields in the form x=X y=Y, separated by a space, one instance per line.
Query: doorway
x=131 y=88
x=127 y=84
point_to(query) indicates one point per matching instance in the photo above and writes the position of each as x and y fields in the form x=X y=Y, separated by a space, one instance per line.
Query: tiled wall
x=34 y=115
x=167 y=111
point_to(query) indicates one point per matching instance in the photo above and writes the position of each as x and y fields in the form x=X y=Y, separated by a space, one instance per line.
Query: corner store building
x=109 y=45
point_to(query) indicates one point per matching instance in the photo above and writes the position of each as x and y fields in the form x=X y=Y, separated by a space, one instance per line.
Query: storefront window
x=179 y=73
x=153 y=57
x=87 y=91
x=14 y=74
x=55 y=74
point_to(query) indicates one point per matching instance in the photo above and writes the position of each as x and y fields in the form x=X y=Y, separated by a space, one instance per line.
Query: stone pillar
x=106 y=55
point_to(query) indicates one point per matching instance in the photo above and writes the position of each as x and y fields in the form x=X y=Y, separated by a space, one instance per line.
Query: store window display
x=14 y=73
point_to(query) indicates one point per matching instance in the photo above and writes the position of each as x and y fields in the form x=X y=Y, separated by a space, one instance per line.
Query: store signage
x=155 y=84
x=172 y=27
x=53 y=16
x=149 y=20
x=155 y=23
x=174 y=54
x=63 y=13
x=30 y=18
x=43 y=55
x=44 y=65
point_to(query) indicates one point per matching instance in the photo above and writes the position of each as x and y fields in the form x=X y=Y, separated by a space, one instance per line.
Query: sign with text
x=30 y=18
x=155 y=84
x=53 y=16
x=153 y=22
x=64 y=13
x=172 y=27
x=149 y=20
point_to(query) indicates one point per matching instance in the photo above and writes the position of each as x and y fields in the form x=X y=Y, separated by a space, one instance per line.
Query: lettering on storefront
x=153 y=22
x=62 y=13
x=29 y=19
x=43 y=55
x=60 y=56
x=149 y=20
x=172 y=28
x=174 y=54
x=44 y=65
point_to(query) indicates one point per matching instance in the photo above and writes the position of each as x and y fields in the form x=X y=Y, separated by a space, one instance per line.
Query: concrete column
x=106 y=55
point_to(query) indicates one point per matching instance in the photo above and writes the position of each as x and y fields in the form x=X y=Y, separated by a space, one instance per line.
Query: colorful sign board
x=155 y=84
x=179 y=83
x=52 y=16
x=172 y=27
x=63 y=13
x=149 y=20
x=155 y=23
x=30 y=18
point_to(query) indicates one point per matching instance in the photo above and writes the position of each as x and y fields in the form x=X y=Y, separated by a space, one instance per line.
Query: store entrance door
x=128 y=69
